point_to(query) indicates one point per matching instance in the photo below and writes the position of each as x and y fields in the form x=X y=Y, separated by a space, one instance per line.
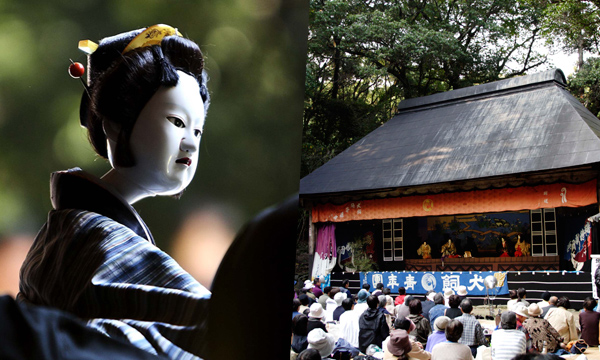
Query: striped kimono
x=96 y=258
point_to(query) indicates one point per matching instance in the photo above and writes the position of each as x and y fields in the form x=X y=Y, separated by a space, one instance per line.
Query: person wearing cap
x=361 y=301
x=473 y=332
x=447 y=293
x=452 y=349
x=398 y=345
x=438 y=309
x=462 y=292
x=508 y=342
x=308 y=290
x=403 y=324
x=540 y=330
x=373 y=328
x=339 y=310
x=522 y=314
x=563 y=320
x=428 y=303
x=439 y=333
x=315 y=317
x=321 y=341
x=588 y=321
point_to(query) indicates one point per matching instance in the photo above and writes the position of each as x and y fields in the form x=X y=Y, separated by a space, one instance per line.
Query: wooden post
x=312 y=239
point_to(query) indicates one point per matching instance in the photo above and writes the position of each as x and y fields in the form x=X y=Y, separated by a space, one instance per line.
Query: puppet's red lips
x=184 y=161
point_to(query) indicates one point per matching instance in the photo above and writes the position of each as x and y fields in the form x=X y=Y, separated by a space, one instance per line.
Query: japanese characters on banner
x=461 y=202
x=416 y=282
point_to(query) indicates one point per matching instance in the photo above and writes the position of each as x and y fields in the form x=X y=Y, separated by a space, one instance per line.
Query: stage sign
x=417 y=282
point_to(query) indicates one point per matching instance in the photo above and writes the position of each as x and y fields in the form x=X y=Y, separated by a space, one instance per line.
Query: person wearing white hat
x=541 y=331
x=315 y=317
x=447 y=293
x=339 y=310
x=521 y=311
x=321 y=341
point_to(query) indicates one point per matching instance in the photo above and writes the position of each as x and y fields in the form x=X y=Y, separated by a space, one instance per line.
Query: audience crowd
x=332 y=323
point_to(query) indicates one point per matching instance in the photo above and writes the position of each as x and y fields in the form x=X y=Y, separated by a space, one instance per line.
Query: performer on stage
x=448 y=249
x=424 y=250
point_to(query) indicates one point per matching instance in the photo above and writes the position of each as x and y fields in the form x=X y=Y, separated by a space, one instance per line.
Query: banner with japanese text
x=461 y=202
x=417 y=282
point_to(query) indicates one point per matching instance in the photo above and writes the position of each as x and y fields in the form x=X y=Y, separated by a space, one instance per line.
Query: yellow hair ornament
x=153 y=35
x=87 y=46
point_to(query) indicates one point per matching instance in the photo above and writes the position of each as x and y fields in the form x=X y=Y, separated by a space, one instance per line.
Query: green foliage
x=360 y=260
x=585 y=85
x=364 y=56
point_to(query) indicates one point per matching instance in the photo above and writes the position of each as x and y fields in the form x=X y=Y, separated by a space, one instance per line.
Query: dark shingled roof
x=518 y=125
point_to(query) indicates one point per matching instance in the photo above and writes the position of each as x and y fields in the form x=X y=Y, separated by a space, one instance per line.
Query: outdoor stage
x=524 y=263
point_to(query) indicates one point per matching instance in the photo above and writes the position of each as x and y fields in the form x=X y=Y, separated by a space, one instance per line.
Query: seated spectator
x=389 y=306
x=299 y=333
x=309 y=354
x=382 y=309
x=378 y=289
x=403 y=310
x=315 y=317
x=447 y=293
x=331 y=304
x=452 y=349
x=508 y=342
x=453 y=311
x=321 y=341
x=472 y=332
x=304 y=300
x=427 y=304
x=540 y=330
x=439 y=333
x=316 y=289
x=522 y=314
x=589 y=321
x=521 y=295
x=398 y=346
x=551 y=305
x=461 y=291
x=373 y=328
x=563 y=320
x=323 y=298
x=438 y=309
x=339 y=310
x=422 y=328
x=349 y=323
x=295 y=306
x=401 y=295
x=513 y=299
x=367 y=287
x=416 y=351
x=361 y=302
x=345 y=286
x=545 y=297
x=387 y=291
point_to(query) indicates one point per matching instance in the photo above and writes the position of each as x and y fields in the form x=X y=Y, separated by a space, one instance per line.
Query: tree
x=365 y=56
x=585 y=85
x=574 y=25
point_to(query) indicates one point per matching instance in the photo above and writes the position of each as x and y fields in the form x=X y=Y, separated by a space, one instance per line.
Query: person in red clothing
x=401 y=295
x=588 y=322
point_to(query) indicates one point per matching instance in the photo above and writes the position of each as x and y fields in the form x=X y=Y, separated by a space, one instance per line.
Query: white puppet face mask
x=166 y=138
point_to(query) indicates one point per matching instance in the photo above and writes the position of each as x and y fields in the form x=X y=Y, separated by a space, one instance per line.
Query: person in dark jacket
x=299 y=333
x=373 y=328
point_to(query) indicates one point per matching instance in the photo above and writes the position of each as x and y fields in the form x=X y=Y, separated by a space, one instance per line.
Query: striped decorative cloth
x=102 y=271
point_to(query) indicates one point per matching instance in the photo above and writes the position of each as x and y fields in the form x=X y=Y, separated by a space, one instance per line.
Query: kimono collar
x=76 y=189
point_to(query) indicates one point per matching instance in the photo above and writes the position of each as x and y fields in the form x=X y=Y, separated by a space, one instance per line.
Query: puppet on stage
x=448 y=249
x=504 y=249
x=521 y=247
x=144 y=107
x=424 y=250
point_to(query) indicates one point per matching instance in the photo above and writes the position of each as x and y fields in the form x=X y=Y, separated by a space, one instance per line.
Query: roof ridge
x=510 y=85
